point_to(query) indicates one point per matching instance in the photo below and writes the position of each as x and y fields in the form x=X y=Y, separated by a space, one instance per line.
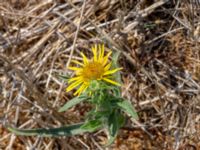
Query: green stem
x=62 y=131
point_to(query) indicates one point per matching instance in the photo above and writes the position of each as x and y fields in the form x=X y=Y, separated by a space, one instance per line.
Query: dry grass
x=160 y=45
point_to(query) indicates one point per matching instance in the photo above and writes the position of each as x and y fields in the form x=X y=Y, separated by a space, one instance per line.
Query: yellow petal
x=99 y=52
x=102 y=52
x=81 y=89
x=75 y=68
x=85 y=59
x=94 y=50
x=107 y=67
x=77 y=62
x=111 y=81
x=73 y=85
x=74 y=79
x=105 y=59
x=112 y=71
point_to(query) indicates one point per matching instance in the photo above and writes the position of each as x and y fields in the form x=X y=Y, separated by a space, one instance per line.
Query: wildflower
x=97 y=68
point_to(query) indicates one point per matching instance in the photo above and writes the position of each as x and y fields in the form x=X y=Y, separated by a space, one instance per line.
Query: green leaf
x=73 y=102
x=62 y=131
x=113 y=127
x=115 y=58
x=64 y=77
x=92 y=125
x=117 y=76
x=127 y=108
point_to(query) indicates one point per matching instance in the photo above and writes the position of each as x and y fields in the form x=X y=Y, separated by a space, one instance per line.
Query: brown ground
x=160 y=45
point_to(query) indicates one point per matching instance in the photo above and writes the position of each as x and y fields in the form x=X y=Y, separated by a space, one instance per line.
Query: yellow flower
x=97 y=68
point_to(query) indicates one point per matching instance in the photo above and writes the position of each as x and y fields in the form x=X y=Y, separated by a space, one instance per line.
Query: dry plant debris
x=159 y=41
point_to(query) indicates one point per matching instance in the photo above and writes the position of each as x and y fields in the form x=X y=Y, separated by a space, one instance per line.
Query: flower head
x=97 y=68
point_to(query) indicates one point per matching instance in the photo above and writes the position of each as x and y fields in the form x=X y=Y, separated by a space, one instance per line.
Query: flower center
x=92 y=71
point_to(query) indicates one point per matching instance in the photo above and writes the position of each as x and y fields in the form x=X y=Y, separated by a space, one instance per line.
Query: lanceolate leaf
x=115 y=58
x=117 y=76
x=113 y=127
x=62 y=131
x=127 y=108
x=73 y=102
x=64 y=77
